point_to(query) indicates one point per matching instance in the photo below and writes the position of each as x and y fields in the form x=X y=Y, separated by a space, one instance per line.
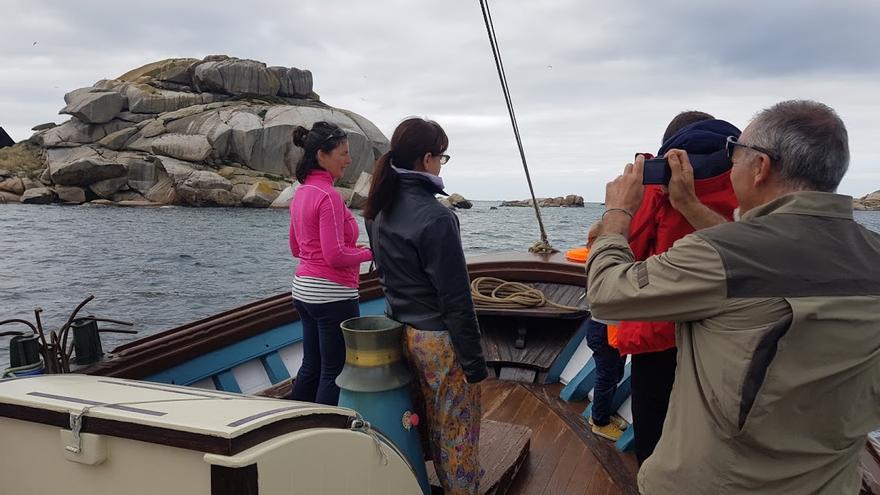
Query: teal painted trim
x=226 y=382
x=274 y=366
x=564 y=357
x=627 y=441
x=373 y=307
x=212 y=363
x=579 y=387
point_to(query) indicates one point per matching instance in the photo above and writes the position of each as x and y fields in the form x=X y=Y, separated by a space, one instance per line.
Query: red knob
x=414 y=419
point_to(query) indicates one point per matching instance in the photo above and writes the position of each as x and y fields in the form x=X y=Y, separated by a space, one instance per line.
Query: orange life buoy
x=578 y=254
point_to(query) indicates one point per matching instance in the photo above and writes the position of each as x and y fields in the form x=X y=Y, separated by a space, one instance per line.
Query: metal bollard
x=375 y=383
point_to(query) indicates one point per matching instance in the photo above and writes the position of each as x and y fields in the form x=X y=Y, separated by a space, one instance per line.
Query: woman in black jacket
x=421 y=265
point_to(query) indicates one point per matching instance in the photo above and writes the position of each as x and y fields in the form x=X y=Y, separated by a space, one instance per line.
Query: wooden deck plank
x=493 y=397
x=558 y=456
x=503 y=448
x=601 y=484
x=550 y=462
x=505 y=455
x=548 y=450
x=516 y=406
x=540 y=446
x=622 y=468
x=580 y=483
x=568 y=463
x=531 y=413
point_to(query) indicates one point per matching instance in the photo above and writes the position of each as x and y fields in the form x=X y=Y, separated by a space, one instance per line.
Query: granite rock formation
x=210 y=132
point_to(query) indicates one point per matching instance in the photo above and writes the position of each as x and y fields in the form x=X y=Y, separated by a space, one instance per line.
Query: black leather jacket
x=420 y=262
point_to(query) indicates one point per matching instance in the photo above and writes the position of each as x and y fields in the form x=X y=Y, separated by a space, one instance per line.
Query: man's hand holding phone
x=626 y=191
x=623 y=196
x=682 y=194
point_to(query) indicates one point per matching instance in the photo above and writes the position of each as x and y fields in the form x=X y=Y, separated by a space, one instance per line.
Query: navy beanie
x=705 y=143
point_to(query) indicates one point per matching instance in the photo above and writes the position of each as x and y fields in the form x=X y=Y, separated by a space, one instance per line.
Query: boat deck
x=565 y=458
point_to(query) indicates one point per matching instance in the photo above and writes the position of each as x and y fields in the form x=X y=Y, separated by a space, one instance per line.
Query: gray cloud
x=592 y=82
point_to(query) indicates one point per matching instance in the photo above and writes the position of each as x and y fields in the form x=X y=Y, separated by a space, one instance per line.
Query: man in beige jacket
x=778 y=316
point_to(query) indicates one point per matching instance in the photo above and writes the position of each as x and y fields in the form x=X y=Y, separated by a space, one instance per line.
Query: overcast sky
x=592 y=81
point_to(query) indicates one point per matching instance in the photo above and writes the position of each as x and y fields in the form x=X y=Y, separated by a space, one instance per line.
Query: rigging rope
x=542 y=246
x=495 y=293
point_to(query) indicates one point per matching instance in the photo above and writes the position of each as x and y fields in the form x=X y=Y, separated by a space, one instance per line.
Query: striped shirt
x=316 y=290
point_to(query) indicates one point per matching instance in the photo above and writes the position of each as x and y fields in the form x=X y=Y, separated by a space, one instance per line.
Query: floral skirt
x=452 y=407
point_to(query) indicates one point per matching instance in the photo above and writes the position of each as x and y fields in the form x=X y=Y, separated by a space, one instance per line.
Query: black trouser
x=323 y=350
x=652 y=375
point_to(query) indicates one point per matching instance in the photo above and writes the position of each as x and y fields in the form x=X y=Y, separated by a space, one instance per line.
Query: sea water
x=163 y=267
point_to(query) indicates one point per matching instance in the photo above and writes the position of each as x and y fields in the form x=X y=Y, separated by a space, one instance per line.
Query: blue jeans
x=323 y=350
x=609 y=371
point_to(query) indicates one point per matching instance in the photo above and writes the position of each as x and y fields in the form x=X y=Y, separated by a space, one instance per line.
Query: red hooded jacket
x=654 y=229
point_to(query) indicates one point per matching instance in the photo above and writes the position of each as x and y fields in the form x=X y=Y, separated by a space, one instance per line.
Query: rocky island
x=869 y=202
x=210 y=132
x=569 y=201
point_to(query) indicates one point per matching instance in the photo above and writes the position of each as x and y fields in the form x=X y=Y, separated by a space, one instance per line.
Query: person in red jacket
x=667 y=214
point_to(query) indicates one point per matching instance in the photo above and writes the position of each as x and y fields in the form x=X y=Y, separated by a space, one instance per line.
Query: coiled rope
x=495 y=293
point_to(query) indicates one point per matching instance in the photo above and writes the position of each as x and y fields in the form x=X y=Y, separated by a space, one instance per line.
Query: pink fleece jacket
x=323 y=233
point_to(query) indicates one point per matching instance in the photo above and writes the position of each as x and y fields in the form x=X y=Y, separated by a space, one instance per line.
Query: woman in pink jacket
x=323 y=235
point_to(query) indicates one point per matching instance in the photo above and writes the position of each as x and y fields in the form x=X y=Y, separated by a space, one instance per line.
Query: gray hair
x=810 y=140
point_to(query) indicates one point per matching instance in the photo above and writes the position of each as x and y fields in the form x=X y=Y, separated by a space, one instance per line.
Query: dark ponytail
x=411 y=140
x=323 y=136
x=383 y=187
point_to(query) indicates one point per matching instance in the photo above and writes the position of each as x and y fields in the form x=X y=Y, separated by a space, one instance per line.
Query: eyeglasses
x=732 y=143
x=335 y=134
x=443 y=159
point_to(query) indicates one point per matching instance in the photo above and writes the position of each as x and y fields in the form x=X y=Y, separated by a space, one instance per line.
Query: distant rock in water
x=870 y=202
x=458 y=201
x=569 y=201
x=455 y=201
x=211 y=132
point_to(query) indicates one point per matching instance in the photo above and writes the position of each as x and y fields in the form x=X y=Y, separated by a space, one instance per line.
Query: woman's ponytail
x=383 y=187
